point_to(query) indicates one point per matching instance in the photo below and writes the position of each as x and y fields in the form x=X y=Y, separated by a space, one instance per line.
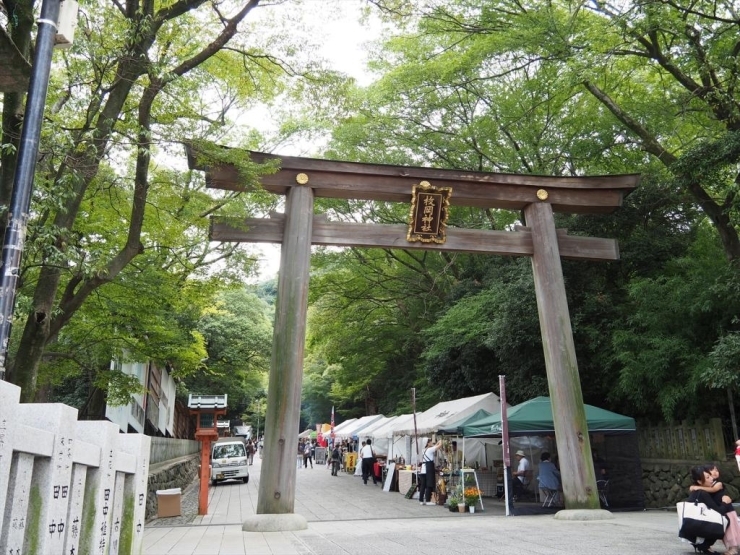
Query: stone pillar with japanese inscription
x=16 y=505
x=117 y=510
x=9 y=398
x=52 y=477
x=99 y=488
x=74 y=513
x=134 y=492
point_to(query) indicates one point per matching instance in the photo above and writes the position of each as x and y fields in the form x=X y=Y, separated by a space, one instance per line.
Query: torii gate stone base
x=538 y=197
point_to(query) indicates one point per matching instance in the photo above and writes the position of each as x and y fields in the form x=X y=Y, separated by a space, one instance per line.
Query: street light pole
x=20 y=201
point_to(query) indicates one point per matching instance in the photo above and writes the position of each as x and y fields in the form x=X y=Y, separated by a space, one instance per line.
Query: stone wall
x=166 y=448
x=176 y=473
x=666 y=482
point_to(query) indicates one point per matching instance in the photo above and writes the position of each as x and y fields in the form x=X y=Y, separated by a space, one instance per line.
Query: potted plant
x=452 y=500
x=472 y=496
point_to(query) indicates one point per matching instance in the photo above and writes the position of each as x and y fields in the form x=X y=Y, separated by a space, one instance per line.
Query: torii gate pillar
x=278 y=477
x=569 y=414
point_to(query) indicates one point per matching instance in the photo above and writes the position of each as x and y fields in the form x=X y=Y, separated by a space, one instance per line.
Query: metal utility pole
x=15 y=232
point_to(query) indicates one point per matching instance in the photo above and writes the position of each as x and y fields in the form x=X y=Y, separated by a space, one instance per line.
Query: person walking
x=250 y=451
x=335 y=457
x=368 y=458
x=307 y=455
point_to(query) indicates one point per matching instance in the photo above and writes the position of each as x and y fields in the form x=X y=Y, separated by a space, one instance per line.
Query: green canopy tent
x=531 y=428
x=534 y=417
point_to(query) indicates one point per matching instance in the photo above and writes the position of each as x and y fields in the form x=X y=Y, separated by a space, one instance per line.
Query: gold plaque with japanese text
x=429 y=211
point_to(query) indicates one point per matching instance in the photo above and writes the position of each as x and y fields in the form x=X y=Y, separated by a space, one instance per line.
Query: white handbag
x=696 y=520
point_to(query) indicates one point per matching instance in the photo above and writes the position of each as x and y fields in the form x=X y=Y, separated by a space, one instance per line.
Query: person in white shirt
x=368 y=459
x=427 y=474
x=521 y=473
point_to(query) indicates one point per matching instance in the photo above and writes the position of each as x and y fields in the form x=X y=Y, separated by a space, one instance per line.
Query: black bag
x=696 y=520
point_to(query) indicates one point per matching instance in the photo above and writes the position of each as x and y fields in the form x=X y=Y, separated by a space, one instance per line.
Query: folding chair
x=603 y=487
x=550 y=496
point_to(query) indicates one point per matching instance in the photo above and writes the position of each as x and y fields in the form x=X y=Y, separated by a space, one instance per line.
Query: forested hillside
x=117 y=262
x=554 y=89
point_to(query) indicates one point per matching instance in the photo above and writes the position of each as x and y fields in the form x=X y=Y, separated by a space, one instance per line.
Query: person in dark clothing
x=368 y=459
x=427 y=474
x=702 y=483
x=335 y=457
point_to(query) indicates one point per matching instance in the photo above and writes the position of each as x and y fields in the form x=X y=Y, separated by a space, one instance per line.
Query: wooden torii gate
x=303 y=179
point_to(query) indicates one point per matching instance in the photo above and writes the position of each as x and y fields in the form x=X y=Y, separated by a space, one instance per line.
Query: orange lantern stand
x=207 y=408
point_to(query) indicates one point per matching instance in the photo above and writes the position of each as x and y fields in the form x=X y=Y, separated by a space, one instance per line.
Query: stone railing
x=68 y=486
x=666 y=482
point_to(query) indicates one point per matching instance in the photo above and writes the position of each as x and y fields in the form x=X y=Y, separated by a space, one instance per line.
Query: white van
x=229 y=461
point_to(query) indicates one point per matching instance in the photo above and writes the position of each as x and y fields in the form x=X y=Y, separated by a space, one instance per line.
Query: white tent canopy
x=370 y=429
x=447 y=412
x=382 y=436
x=344 y=425
x=386 y=430
x=349 y=431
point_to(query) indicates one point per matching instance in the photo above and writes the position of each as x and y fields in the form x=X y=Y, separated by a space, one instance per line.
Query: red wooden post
x=205 y=437
x=207 y=408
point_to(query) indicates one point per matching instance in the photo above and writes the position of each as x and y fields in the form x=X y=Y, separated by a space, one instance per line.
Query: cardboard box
x=169 y=502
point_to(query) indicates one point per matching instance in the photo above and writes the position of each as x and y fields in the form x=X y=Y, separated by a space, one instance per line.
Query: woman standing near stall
x=427 y=473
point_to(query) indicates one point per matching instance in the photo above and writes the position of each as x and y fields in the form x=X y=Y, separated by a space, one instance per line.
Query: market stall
x=613 y=437
x=441 y=416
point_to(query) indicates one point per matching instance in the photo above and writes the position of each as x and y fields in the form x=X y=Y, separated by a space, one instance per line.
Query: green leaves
x=237 y=330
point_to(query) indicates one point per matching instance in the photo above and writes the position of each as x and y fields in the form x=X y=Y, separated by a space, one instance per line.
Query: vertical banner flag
x=332 y=426
x=416 y=433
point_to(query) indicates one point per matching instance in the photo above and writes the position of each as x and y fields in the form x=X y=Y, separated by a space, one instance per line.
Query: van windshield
x=228 y=451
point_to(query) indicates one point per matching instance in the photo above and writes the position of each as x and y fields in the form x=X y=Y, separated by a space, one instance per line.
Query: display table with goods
x=406 y=480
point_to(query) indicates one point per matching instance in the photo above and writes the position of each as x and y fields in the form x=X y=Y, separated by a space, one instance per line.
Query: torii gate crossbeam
x=303 y=179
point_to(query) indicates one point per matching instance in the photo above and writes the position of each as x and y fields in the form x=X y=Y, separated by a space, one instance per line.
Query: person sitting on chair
x=549 y=478
x=521 y=474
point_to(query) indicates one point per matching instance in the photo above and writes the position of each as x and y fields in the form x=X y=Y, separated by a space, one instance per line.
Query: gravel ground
x=189 y=509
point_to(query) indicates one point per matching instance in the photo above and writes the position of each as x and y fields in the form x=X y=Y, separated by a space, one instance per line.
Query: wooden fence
x=68 y=487
x=700 y=441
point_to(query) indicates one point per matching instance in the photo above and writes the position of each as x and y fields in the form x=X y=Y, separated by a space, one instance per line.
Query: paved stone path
x=347 y=517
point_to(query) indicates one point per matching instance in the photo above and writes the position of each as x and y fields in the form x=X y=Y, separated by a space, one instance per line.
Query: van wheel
x=214 y=483
x=246 y=479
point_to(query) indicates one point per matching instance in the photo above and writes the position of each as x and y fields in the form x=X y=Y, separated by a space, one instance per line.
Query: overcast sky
x=336 y=24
